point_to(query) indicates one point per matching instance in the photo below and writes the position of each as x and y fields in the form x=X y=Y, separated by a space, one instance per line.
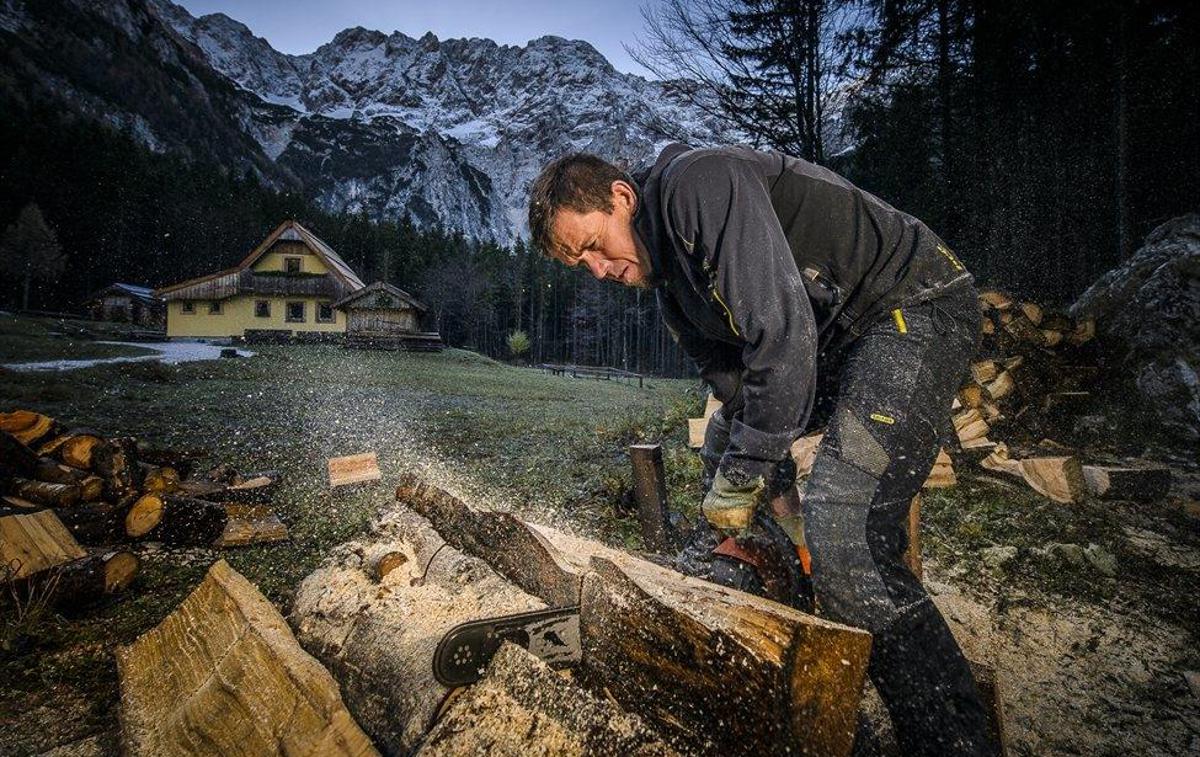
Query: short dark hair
x=581 y=182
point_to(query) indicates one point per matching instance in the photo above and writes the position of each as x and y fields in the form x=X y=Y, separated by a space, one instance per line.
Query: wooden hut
x=128 y=303
x=383 y=317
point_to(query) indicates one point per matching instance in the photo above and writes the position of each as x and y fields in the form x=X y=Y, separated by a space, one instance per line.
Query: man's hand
x=729 y=507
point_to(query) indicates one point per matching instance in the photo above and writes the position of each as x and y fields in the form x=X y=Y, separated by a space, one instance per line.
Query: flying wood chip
x=354 y=469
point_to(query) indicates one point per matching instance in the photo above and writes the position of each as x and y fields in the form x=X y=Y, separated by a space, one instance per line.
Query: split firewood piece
x=942 y=475
x=176 y=520
x=970 y=425
x=698 y=427
x=1059 y=478
x=378 y=638
x=353 y=469
x=804 y=452
x=996 y=299
x=34 y=542
x=983 y=371
x=1000 y=387
x=178 y=682
x=521 y=706
x=667 y=646
x=45 y=493
x=1033 y=312
x=1085 y=331
x=250 y=524
x=253 y=488
x=1023 y=330
x=26 y=426
x=1136 y=483
x=970 y=395
x=13 y=504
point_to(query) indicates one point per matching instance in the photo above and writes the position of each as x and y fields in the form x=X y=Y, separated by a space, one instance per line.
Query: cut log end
x=145 y=514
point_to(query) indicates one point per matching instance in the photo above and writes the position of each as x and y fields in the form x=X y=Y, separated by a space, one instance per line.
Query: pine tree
x=30 y=249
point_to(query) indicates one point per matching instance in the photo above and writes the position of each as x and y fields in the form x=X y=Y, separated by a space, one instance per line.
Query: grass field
x=555 y=448
x=28 y=340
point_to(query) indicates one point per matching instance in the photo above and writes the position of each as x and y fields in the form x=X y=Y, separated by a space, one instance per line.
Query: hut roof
x=240 y=278
x=131 y=290
x=380 y=286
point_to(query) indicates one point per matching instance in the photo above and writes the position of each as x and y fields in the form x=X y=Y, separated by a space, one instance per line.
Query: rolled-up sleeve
x=722 y=210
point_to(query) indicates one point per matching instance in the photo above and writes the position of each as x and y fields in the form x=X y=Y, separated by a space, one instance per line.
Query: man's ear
x=624 y=194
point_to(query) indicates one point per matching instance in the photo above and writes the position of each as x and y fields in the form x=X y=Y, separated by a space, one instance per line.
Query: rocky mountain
x=448 y=131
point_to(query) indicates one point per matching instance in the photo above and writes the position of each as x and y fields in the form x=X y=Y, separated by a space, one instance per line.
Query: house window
x=214 y=307
x=324 y=313
x=189 y=306
x=292 y=265
x=295 y=312
x=262 y=308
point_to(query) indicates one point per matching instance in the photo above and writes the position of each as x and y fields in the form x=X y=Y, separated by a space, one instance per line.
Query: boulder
x=1147 y=315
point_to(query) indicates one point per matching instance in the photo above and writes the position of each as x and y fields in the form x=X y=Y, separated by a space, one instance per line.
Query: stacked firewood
x=1034 y=375
x=70 y=494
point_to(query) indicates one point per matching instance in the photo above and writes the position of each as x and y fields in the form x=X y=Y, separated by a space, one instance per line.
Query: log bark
x=378 y=639
x=42 y=492
x=16 y=459
x=522 y=707
x=650 y=491
x=176 y=520
x=670 y=647
x=1135 y=483
x=158 y=479
x=95 y=523
x=84 y=582
x=34 y=542
x=223 y=674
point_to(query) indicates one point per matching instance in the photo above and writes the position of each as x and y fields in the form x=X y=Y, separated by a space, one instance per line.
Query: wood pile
x=1035 y=374
x=71 y=498
x=660 y=650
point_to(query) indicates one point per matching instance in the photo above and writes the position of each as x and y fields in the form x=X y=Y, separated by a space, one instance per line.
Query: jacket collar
x=648 y=221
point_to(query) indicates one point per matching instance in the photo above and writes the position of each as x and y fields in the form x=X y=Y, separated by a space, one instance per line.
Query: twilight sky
x=300 y=26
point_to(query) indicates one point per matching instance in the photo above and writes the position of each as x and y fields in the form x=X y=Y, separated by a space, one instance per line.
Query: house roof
x=289 y=230
x=380 y=286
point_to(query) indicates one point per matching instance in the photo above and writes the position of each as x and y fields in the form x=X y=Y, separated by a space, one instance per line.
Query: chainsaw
x=463 y=654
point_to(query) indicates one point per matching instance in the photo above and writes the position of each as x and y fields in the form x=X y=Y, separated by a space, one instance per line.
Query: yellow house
x=288 y=284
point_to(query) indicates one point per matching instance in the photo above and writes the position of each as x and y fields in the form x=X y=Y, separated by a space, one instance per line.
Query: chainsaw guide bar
x=465 y=651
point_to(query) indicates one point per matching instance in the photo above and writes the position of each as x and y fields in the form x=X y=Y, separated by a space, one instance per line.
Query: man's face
x=604 y=242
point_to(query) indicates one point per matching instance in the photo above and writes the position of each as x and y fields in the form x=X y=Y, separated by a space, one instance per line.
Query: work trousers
x=895 y=389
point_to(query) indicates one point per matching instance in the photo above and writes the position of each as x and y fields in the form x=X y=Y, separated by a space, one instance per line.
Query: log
x=250 y=524
x=159 y=479
x=1135 y=483
x=51 y=495
x=116 y=461
x=353 y=469
x=1033 y=312
x=16 y=459
x=34 y=542
x=176 y=520
x=77 y=449
x=223 y=674
x=252 y=488
x=996 y=299
x=521 y=707
x=378 y=639
x=26 y=426
x=667 y=646
x=650 y=492
x=95 y=522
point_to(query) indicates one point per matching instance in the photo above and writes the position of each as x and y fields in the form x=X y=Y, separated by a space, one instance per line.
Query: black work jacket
x=760 y=260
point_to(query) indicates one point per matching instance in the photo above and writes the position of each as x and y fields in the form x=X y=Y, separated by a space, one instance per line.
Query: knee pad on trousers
x=846 y=581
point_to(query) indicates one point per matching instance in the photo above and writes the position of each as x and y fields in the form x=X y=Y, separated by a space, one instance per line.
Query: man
x=772 y=272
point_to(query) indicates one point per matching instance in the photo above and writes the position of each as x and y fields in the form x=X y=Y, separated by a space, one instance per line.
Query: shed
x=127 y=303
x=381 y=316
